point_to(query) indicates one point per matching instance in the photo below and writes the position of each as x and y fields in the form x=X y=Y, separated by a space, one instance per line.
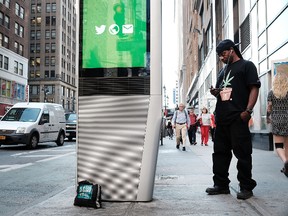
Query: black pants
x=235 y=137
x=192 y=134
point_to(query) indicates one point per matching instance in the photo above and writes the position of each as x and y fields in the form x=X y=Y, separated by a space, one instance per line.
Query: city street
x=29 y=177
x=47 y=186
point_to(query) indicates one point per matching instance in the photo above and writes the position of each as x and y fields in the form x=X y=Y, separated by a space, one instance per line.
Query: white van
x=33 y=123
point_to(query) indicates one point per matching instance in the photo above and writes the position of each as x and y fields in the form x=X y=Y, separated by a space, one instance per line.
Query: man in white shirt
x=181 y=122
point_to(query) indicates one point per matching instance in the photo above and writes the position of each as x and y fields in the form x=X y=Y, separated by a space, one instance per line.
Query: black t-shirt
x=244 y=75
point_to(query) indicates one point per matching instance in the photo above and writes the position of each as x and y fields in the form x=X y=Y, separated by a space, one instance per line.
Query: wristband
x=250 y=111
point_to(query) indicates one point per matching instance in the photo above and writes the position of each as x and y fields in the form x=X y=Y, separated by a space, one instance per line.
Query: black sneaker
x=177 y=146
x=244 y=194
x=285 y=169
x=184 y=149
x=217 y=190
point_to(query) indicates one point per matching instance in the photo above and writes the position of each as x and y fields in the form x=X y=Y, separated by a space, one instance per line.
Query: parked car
x=33 y=123
x=71 y=124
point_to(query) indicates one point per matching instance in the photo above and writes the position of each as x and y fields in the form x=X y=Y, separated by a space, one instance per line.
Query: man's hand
x=245 y=116
x=215 y=91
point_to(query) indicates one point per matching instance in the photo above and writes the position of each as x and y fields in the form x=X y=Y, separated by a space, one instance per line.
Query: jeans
x=235 y=138
x=192 y=134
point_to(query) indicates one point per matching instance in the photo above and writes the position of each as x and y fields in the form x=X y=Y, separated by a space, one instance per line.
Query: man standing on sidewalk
x=232 y=115
x=181 y=122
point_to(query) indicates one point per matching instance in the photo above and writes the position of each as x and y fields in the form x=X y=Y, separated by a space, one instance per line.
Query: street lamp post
x=165 y=100
x=46 y=91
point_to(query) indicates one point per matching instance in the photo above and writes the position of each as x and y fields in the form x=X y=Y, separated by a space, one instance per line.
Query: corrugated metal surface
x=111 y=131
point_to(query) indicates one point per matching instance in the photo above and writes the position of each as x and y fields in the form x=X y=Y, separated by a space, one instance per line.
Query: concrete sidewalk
x=180 y=183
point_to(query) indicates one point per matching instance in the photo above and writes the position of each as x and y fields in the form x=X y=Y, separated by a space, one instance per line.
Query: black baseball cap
x=226 y=45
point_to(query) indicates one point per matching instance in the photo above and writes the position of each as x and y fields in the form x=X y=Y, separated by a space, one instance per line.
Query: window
x=6 y=88
x=53 y=47
x=20 y=91
x=37 y=74
x=38 y=34
x=53 y=20
x=53 y=33
x=47 y=20
x=6 y=42
x=38 y=61
x=22 y=13
x=33 y=8
x=7 y=3
x=38 y=48
x=32 y=61
x=47 y=34
x=16 y=67
x=21 y=50
x=21 y=69
x=47 y=48
x=39 y=8
x=53 y=7
x=52 y=73
x=17 y=9
x=33 y=21
x=16 y=28
x=21 y=31
x=7 y=22
x=53 y=60
x=1 y=60
x=32 y=34
x=6 y=62
x=1 y=18
x=47 y=60
x=38 y=20
x=1 y=39
x=48 y=7
x=50 y=88
x=34 y=89
x=46 y=73
x=63 y=90
x=16 y=46
x=32 y=74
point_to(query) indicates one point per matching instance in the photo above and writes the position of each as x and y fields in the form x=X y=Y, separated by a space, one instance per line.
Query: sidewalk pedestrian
x=205 y=122
x=232 y=115
x=169 y=129
x=193 y=127
x=180 y=122
x=278 y=117
x=213 y=126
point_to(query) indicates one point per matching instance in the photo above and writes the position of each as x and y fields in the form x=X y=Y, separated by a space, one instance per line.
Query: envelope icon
x=127 y=29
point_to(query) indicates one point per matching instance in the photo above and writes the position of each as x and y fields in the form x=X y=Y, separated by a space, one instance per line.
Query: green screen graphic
x=114 y=34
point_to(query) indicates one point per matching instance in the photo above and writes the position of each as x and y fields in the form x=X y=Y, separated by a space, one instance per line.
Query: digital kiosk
x=119 y=101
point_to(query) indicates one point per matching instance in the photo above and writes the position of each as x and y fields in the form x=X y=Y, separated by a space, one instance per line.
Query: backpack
x=88 y=195
x=186 y=115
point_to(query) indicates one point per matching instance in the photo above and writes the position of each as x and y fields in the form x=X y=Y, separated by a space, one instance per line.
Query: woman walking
x=205 y=122
x=277 y=115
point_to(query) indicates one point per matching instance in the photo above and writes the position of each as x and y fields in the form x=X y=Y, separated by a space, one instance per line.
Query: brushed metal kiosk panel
x=112 y=142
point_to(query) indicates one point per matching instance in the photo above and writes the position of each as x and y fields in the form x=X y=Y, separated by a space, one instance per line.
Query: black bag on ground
x=88 y=195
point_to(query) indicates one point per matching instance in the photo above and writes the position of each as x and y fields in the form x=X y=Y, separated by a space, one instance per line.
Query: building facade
x=53 y=54
x=14 y=40
x=258 y=25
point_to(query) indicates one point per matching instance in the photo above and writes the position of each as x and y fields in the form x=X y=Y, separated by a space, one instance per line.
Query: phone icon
x=114 y=29
x=100 y=30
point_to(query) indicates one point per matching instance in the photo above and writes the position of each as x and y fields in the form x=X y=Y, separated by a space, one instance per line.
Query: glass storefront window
x=273 y=8
x=277 y=34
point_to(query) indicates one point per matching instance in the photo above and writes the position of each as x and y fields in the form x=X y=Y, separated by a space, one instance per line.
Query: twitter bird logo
x=100 y=30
